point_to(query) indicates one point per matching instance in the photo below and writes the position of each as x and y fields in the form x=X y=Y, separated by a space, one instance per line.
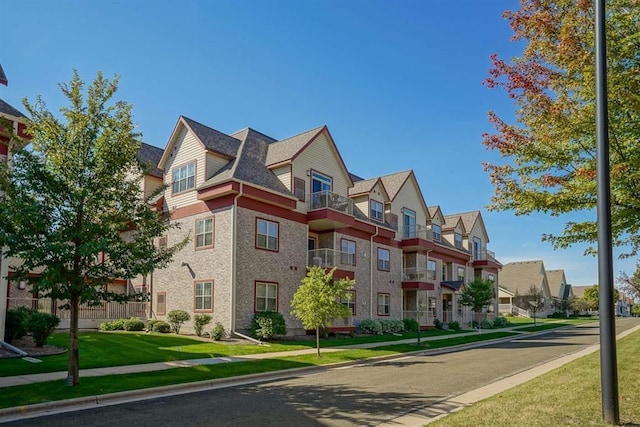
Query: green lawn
x=102 y=349
x=91 y=386
x=569 y=395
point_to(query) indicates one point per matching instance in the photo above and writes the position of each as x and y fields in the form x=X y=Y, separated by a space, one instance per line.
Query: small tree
x=199 y=322
x=477 y=294
x=592 y=296
x=630 y=284
x=635 y=310
x=317 y=301
x=176 y=319
x=533 y=301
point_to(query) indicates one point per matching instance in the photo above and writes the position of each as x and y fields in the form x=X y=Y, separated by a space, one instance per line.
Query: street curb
x=39 y=409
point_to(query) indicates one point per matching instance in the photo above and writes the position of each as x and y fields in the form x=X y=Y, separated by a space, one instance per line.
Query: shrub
x=557 y=315
x=162 y=327
x=199 y=322
x=474 y=324
x=410 y=325
x=501 y=322
x=508 y=315
x=134 y=324
x=105 y=326
x=371 y=326
x=118 y=324
x=391 y=326
x=176 y=319
x=17 y=323
x=150 y=324
x=438 y=324
x=42 y=326
x=218 y=332
x=268 y=324
x=454 y=326
x=486 y=324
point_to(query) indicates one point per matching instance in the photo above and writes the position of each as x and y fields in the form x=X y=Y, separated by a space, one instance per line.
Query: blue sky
x=399 y=84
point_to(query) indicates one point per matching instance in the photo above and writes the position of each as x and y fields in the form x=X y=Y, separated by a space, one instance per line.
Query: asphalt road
x=366 y=394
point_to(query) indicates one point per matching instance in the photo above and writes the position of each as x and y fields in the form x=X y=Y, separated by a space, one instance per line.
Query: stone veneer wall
x=178 y=279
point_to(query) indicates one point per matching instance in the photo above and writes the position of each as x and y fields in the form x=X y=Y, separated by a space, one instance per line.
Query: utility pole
x=608 y=362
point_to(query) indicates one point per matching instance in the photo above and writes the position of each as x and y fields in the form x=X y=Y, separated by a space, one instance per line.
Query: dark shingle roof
x=8 y=109
x=213 y=139
x=150 y=155
x=249 y=164
x=3 y=76
x=363 y=186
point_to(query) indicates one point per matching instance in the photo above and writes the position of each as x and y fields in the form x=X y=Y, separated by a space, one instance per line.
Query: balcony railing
x=416 y=231
x=329 y=200
x=107 y=310
x=330 y=258
x=417 y=274
x=484 y=255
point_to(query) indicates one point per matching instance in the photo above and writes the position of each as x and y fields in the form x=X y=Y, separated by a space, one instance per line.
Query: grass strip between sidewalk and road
x=569 y=395
x=91 y=386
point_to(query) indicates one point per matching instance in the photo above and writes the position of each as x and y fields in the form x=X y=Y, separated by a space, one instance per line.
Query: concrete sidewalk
x=161 y=366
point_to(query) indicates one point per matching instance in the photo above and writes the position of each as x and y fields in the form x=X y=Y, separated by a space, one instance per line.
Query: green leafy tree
x=533 y=301
x=592 y=296
x=317 y=301
x=630 y=284
x=635 y=310
x=73 y=209
x=477 y=294
x=550 y=149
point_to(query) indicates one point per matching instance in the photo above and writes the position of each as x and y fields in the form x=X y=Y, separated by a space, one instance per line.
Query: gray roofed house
x=363 y=186
x=450 y=221
x=5 y=108
x=150 y=155
x=518 y=277
x=286 y=149
x=214 y=140
x=557 y=284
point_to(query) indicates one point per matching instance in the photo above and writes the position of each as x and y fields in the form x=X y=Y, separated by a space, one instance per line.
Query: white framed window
x=377 y=210
x=350 y=302
x=266 y=234
x=436 y=231
x=457 y=237
x=184 y=178
x=384 y=304
x=320 y=183
x=491 y=278
x=477 y=249
x=203 y=296
x=266 y=296
x=461 y=272
x=348 y=248
x=384 y=259
x=431 y=270
x=409 y=223
x=204 y=233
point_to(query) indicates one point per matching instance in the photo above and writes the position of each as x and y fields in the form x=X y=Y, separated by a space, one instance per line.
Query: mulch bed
x=27 y=344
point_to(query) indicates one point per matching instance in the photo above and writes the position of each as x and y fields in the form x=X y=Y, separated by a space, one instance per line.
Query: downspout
x=234 y=240
x=371 y=274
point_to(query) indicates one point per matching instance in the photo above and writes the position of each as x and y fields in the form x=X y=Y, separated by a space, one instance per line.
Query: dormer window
x=436 y=232
x=376 y=210
x=457 y=238
x=184 y=178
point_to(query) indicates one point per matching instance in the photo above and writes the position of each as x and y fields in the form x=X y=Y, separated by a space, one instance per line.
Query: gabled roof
x=520 y=276
x=249 y=165
x=288 y=149
x=3 y=77
x=150 y=155
x=5 y=108
x=556 y=278
x=366 y=186
x=434 y=211
x=451 y=221
x=355 y=177
x=394 y=182
x=211 y=139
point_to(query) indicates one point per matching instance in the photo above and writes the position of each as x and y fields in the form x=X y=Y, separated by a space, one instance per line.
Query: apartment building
x=515 y=280
x=260 y=211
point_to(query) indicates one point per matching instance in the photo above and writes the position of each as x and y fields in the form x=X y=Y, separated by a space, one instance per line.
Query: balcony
x=330 y=258
x=416 y=238
x=486 y=258
x=329 y=210
x=418 y=278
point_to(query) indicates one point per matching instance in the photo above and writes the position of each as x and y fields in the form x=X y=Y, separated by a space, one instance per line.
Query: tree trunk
x=318 y=339
x=73 y=372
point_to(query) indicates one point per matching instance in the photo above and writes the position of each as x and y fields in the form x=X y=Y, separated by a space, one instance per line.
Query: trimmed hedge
x=161 y=327
x=268 y=324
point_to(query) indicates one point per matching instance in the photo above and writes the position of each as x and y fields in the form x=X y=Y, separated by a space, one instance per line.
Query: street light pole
x=608 y=362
